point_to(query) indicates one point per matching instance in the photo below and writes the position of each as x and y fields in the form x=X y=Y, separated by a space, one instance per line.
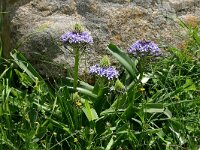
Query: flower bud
x=78 y=103
x=142 y=89
x=75 y=140
x=76 y=97
x=105 y=61
x=78 y=28
x=119 y=85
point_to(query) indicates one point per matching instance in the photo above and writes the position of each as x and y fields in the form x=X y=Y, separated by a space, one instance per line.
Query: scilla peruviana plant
x=144 y=51
x=77 y=39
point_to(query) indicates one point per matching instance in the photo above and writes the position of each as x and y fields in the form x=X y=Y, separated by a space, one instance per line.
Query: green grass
x=165 y=115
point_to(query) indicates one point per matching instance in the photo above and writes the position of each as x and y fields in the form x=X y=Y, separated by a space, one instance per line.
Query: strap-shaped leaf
x=84 y=91
x=89 y=112
x=111 y=142
x=22 y=62
x=124 y=59
x=157 y=108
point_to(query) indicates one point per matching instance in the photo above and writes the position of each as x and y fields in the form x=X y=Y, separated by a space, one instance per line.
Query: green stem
x=142 y=63
x=141 y=69
x=76 y=64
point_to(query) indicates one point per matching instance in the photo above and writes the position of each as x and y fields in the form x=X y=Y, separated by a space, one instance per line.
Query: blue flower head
x=77 y=38
x=108 y=72
x=143 y=47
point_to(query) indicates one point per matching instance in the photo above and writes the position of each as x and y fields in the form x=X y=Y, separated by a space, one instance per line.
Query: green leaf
x=5 y=140
x=157 y=108
x=21 y=61
x=4 y=73
x=196 y=36
x=90 y=112
x=154 y=108
x=161 y=135
x=81 y=84
x=177 y=53
x=132 y=138
x=153 y=131
x=111 y=142
x=24 y=78
x=124 y=59
x=168 y=113
x=111 y=110
x=189 y=85
x=178 y=129
x=61 y=126
x=86 y=92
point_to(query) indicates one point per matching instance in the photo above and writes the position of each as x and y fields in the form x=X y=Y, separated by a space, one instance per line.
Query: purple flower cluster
x=77 y=38
x=108 y=72
x=142 y=47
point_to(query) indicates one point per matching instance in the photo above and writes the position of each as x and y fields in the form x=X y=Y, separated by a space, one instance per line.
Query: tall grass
x=162 y=113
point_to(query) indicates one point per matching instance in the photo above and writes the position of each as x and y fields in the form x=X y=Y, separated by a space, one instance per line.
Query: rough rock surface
x=119 y=21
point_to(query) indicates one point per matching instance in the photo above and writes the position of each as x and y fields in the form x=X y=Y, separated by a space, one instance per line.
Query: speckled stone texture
x=40 y=23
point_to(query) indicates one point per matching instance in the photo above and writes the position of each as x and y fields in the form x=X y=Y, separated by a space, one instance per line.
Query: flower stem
x=76 y=64
x=141 y=69
x=142 y=63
